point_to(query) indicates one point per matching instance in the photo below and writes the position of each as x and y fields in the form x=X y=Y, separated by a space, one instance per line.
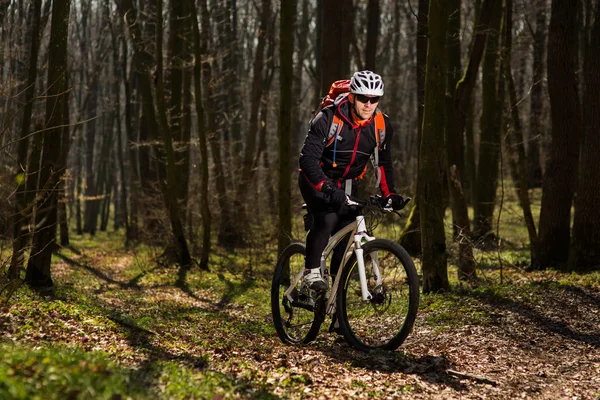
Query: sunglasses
x=365 y=99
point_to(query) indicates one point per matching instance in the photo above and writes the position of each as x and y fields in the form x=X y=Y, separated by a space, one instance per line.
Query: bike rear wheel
x=384 y=321
x=297 y=320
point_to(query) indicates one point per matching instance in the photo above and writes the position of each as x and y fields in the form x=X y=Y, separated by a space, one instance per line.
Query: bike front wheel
x=385 y=320
x=297 y=317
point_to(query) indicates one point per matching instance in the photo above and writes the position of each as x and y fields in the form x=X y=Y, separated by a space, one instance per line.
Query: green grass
x=451 y=309
x=158 y=350
x=120 y=326
x=62 y=372
x=59 y=372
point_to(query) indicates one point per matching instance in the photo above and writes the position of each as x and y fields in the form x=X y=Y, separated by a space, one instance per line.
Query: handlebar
x=375 y=200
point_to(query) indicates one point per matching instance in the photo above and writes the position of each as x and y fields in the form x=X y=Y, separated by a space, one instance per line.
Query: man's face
x=365 y=106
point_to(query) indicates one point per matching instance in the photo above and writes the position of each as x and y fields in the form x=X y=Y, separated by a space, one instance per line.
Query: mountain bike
x=374 y=296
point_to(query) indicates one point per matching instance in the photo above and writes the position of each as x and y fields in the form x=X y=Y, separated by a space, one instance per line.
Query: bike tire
x=294 y=322
x=377 y=323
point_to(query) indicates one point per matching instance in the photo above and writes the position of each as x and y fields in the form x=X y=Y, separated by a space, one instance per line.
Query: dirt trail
x=524 y=353
x=546 y=349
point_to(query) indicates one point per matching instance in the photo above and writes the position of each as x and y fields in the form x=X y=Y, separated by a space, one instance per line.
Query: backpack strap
x=334 y=131
x=379 y=137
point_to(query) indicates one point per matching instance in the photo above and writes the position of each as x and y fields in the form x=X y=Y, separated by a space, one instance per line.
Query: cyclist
x=334 y=157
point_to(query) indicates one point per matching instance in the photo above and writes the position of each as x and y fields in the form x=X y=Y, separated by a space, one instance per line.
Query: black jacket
x=355 y=145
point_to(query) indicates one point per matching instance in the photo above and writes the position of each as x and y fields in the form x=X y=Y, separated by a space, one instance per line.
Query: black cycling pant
x=327 y=220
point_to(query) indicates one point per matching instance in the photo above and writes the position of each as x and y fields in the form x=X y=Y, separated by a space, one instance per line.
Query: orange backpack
x=337 y=88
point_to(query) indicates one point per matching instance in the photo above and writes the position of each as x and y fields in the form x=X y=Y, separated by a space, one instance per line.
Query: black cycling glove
x=336 y=196
x=395 y=201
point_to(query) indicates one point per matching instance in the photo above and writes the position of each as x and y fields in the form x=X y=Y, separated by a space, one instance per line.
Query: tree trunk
x=151 y=156
x=80 y=137
x=432 y=163
x=585 y=245
x=262 y=153
x=3 y=7
x=64 y=154
x=102 y=184
x=174 y=77
x=403 y=80
x=299 y=114
x=158 y=117
x=38 y=270
x=411 y=234
x=286 y=70
x=79 y=183
x=204 y=206
x=225 y=97
x=470 y=165
x=454 y=140
x=464 y=108
x=560 y=177
x=134 y=178
x=91 y=198
x=107 y=199
x=249 y=172
x=338 y=17
x=584 y=15
x=490 y=123
x=227 y=234
x=22 y=211
x=233 y=89
x=123 y=216
x=373 y=16
x=186 y=133
x=169 y=188
x=91 y=201
x=456 y=114
x=63 y=218
x=536 y=130
x=515 y=140
x=455 y=151
x=318 y=76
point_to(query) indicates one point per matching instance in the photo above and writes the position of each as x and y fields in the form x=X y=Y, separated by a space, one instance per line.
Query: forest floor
x=118 y=326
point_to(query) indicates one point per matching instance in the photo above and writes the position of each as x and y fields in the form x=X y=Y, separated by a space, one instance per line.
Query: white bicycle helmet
x=366 y=83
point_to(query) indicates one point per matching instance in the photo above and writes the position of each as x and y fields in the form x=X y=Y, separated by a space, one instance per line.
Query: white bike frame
x=360 y=236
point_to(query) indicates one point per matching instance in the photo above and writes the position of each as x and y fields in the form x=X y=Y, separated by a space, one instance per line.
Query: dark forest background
x=180 y=122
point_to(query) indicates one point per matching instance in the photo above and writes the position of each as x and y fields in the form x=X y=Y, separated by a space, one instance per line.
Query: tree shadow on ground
x=149 y=342
x=555 y=302
x=145 y=374
x=133 y=283
x=233 y=289
x=585 y=294
x=70 y=247
x=152 y=347
x=181 y=282
x=94 y=271
x=432 y=369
